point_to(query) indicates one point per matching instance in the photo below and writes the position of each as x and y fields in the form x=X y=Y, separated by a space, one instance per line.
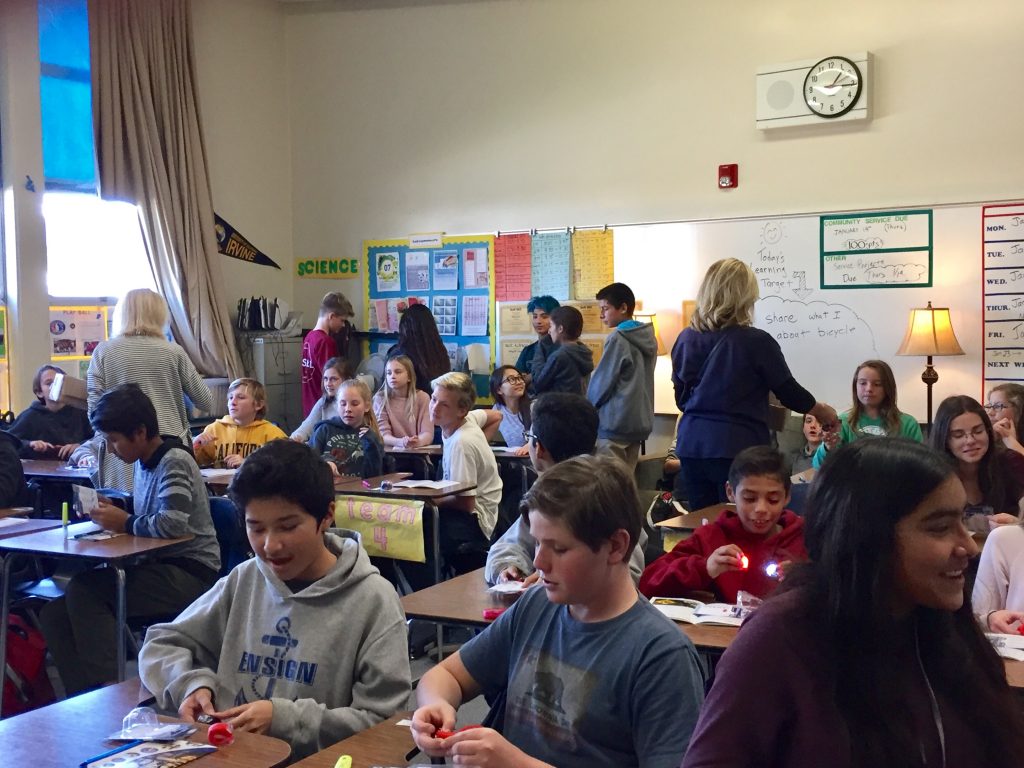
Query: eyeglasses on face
x=963 y=434
x=997 y=407
x=529 y=437
x=514 y=378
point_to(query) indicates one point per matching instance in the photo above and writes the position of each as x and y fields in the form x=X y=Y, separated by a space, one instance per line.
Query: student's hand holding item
x=233 y=461
x=87 y=461
x=203 y=439
x=254 y=717
x=1001 y=518
x=41 y=446
x=826 y=416
x=1005 y=622
x=1006 y=430
x=486 y=748
x=522 y=450
x=108 y=516
x=334 y=469
x=831 y=438
x=427 y=721
x=64 y=451
x=199 y=702
x=725 y=558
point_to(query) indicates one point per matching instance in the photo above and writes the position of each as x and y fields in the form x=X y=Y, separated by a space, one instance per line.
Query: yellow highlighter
x=345 y=761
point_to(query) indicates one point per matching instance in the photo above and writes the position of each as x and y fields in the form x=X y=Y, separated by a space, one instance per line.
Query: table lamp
x=930 y=333
x=652 y=318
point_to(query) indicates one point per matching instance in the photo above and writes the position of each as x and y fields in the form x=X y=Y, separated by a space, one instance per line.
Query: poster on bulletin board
x=451 y=276
x=76 y=331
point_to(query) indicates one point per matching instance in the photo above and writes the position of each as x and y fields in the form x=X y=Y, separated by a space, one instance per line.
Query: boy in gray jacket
x=622 y=385
x=307 y=641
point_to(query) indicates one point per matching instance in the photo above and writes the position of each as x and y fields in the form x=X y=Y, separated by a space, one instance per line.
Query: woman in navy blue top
x=722 y=371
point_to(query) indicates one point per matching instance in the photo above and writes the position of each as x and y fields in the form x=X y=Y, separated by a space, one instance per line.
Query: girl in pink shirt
x=402 y=410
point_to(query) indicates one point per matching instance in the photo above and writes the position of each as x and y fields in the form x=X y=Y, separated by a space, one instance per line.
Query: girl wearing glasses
x=1005 y=408
x=993 y=477
x=508 y=388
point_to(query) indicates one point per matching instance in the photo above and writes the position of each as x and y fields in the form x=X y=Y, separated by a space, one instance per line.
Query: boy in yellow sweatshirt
x=227 y=441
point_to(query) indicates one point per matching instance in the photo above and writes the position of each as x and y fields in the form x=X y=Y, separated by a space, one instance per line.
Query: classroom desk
x=114 y=553
x=675 y=529
x=55 y=469
x=1014 y=673
x=462 y=601
x=218 y=480
x=68 y=732
x=385 y=744
x=16 y=512
x=18 y=527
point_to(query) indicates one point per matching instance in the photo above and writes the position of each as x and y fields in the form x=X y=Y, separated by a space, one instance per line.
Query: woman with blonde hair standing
x=722 y=371
x=141 y=354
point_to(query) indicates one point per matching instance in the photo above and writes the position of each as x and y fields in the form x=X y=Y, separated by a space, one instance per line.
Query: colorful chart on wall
x=76 y=331
x=454 y=279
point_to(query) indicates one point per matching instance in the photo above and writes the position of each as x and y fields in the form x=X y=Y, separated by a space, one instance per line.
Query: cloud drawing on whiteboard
x=816 y=335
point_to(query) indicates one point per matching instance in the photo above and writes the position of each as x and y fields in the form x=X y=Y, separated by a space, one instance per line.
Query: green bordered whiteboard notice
x=886 y=249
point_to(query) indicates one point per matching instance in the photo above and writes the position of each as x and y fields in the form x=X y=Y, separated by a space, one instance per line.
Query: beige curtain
x=149 y=148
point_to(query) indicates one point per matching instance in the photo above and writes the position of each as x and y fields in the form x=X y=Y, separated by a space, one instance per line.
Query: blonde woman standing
x=722 y=371
x=141 y=354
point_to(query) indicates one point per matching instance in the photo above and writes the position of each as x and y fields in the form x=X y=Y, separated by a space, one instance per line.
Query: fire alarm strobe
x=728 y=176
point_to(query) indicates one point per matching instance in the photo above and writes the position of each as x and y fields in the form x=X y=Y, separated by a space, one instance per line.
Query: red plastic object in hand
x=220 y=734
x=1020 y=628
x=490 y=614
x=744 y=562
x=441 y=733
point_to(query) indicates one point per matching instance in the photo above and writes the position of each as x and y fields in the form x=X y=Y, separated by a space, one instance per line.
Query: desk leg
x=5 y=612
x=122 y=624
x=435 y=545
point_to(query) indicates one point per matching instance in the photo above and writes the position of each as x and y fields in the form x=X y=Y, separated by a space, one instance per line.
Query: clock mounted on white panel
x=832 y=86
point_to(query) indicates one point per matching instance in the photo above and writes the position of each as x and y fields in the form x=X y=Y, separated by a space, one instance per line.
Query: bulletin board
x=75 y=331
x=453 y=277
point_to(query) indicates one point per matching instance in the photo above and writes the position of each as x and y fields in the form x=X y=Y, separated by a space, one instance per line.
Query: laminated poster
x=512 y=267
x=550 y=265
x=446 y=270
x=388 y=276
x=593 y=261
x=474 y=315
x=514 y=319
x=445 y=311
x=475 y=269
x=417 y=271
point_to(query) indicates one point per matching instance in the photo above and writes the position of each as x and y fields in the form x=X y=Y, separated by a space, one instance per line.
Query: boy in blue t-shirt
x=639 y=709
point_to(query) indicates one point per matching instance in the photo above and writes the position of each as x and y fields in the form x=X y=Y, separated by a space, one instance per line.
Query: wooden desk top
x=22 y=527
x=54 y=469
x=426 y=450
x=52 y=542
x=462 y=600
x=1014 y=673
x=70 y=731
x=355 y=486
x=384 y=744
x=691 y=521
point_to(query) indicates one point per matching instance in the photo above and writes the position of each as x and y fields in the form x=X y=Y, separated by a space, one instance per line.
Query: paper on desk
x=508 y=588
x=1007 y=646
x=8 y=521
x=435 y=484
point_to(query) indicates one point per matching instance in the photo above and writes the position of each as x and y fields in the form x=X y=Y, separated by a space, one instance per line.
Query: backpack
x=26 y=684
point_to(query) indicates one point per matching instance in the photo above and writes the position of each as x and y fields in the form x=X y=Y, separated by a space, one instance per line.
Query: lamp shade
x=652 y=318
x=930 y=333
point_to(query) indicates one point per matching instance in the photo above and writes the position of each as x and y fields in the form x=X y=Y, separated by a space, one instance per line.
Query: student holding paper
x=869 y=654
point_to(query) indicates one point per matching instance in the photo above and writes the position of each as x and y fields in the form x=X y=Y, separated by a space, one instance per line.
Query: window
x=93 y=247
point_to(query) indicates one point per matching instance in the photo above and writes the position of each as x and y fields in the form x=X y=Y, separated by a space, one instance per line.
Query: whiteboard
x=824 y=333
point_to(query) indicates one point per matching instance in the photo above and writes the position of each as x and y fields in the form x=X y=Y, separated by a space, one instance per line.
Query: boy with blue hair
x=540 y=309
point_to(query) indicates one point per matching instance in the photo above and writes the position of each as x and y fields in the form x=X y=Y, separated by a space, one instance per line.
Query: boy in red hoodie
x=761 y=530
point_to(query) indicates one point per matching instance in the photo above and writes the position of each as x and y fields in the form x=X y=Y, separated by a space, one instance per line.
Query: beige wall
x=241 y=61
x=503 y=114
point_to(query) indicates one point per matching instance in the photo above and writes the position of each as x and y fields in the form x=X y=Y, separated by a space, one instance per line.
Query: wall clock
x=832 y=86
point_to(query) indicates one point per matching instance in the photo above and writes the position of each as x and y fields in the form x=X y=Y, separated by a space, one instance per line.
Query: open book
x=696 y=612
x=436 y=484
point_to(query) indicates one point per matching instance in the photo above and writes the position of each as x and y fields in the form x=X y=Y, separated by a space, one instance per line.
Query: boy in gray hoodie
x=622 y=386
x=307 y=641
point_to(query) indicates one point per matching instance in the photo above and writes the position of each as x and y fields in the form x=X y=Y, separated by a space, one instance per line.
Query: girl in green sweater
x=874 y=412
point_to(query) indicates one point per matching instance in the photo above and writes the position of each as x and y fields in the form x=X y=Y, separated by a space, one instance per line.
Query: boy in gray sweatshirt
x=306 y=642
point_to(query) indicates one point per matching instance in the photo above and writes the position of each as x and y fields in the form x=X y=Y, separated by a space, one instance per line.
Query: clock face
x=832 y=86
